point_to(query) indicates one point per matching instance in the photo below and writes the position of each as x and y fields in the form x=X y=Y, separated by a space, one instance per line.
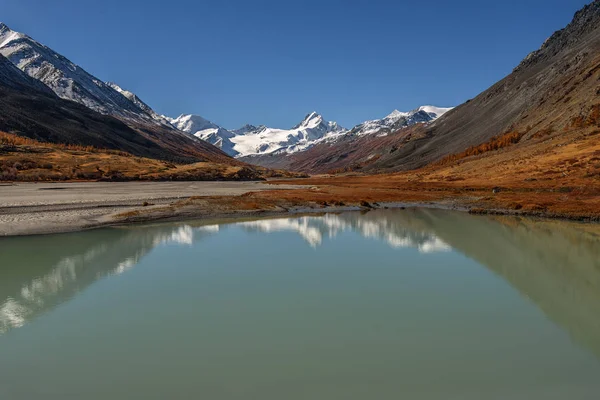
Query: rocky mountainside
x=554 y=88
x=53 y=73
x=31 y=109
x=68 y=80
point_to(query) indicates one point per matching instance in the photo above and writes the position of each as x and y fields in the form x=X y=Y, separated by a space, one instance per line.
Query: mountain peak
x=68 y=80
x=5 y=28
x=312 y=120
x=192 y=123
x=7 y=35
x=396 y=114
x=124 y=92
x=434 y=111
x=584 y=21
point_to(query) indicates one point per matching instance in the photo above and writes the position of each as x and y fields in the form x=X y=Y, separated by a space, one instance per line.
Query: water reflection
x=379 y=225
x=554 y=264
x=39 y=273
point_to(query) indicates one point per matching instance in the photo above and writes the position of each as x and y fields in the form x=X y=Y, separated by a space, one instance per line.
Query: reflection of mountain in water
x=376 y=225
x=39 y=273
x=554 y=264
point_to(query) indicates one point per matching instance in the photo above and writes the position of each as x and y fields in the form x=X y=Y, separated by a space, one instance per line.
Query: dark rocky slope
x=31 y=109
x=549 y=90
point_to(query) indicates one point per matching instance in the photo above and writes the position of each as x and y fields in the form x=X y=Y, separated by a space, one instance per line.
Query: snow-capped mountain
x=205 y=130
x=251 y=140
x=71 y=82
x=13 y=77
x=265 y=140
x=247 y=129
x=68 y=80
x=398 y=119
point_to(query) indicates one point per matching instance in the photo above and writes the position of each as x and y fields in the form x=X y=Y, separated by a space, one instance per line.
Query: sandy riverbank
x=41 y=208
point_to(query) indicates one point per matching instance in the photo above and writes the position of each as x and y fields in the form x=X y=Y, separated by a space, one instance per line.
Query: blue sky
x=272 y=62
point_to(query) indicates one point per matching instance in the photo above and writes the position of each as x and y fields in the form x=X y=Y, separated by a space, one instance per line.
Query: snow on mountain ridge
x=398 y=119
x=205 y=130
x=438 y=111
x=271 y=140
x=68 y=80
x=250 y=139
x=313 y=129
x=248 y=128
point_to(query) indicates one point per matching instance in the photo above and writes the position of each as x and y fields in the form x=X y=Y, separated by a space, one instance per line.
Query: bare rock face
x=585 y=21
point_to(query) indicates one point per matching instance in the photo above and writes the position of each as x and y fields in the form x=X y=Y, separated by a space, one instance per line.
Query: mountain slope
x=29 y=108
x=66 y=79
x=552 y=89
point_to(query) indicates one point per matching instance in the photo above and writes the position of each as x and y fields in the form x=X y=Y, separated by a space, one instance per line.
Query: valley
x=300 y=200
x=528 y=145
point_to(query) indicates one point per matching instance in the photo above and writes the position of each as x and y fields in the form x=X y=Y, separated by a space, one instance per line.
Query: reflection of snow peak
x=70 y=272
x=73 y=273
x=435 y=245
x=12 y=314
x=301 y=225
x=312 y=229
x=183 y=235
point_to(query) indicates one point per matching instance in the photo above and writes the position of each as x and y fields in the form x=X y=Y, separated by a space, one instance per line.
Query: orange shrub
x=495 y=143
x=9 y=139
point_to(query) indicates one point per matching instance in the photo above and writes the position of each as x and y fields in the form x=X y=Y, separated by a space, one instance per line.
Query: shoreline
x=54 y=218
x=47 y=208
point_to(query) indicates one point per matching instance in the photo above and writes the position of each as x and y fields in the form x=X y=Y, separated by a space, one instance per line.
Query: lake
x=388 y=304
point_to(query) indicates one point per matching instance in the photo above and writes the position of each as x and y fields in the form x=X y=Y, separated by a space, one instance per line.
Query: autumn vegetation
x=496 y=143
x=27 y=160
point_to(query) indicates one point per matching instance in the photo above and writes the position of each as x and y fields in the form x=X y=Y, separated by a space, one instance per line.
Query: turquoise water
x=405 y=304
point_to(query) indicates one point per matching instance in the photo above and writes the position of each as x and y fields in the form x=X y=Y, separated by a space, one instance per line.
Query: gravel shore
x=41 y=208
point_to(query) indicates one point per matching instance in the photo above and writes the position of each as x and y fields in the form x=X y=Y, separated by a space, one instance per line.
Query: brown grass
x=8 y=140
x=557 y=176
x=24 y=159
x=496 y=143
